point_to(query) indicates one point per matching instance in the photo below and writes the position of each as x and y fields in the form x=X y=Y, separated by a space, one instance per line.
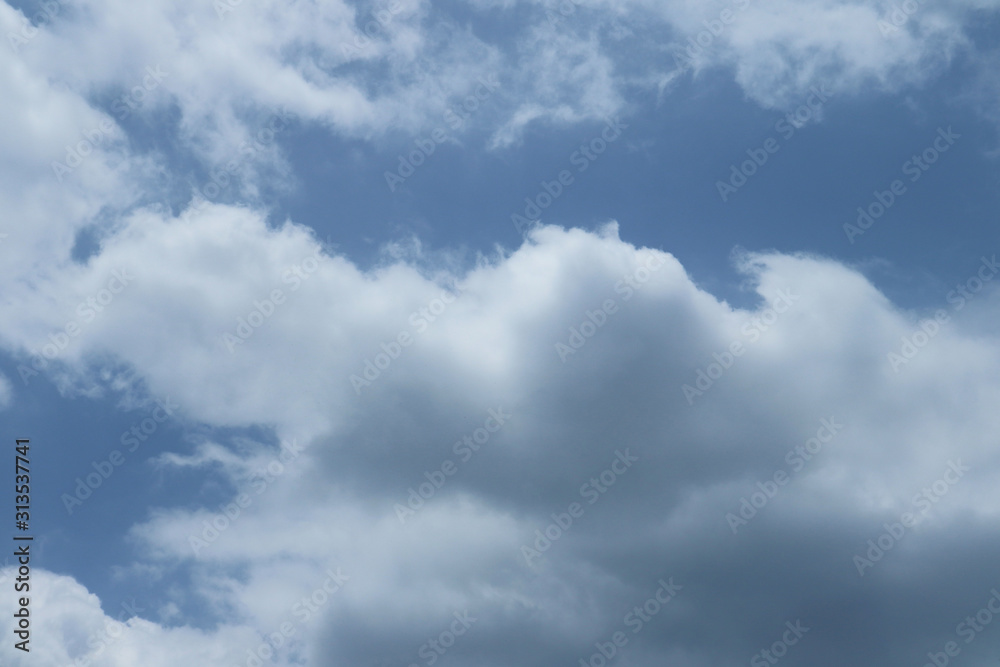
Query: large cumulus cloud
x=819 y=368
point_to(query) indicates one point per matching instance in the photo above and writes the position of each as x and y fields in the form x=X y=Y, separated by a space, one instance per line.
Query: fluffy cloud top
x=392 y=480
x=496 y=464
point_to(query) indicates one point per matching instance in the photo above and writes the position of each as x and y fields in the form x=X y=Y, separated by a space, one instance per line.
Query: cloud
x=213 y=82
x=570 y=79
x=68 y=627
x=226 y=66
x=6 y=392
x=777 y=52
x=366 y=71
x=374 y=388
x=44 y=126
x=815 y=354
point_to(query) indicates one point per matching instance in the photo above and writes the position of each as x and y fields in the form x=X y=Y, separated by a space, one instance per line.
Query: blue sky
x=200 y=191
x=660 y=180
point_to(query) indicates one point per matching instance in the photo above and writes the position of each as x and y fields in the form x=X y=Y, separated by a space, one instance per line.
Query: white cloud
x=199 y=278
x=227 y=70
x=6 y=392
x=222 y=80
x=226 y=73
x=567 y=80
x=68 y=624
x=41 y=125
x=332 y=505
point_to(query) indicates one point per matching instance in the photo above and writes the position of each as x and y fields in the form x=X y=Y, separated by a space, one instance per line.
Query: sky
x=482 y=333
